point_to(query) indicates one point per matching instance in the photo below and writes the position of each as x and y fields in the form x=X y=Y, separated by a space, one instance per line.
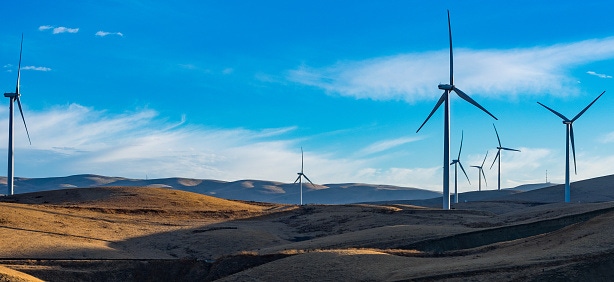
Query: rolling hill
x=248 y=190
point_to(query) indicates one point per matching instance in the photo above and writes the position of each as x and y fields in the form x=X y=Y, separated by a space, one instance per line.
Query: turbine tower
x=12 y=98
x=569 y=137
x=481 y=173
x=300 y=177
x=455 y=163
x=498 y=156
x=445 y=99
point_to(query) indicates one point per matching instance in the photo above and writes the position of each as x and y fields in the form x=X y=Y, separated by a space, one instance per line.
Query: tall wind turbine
x=569 y=137
x=14 y=97
x=481 y=173
x=455 y=163
x=445 y=99
x=498 y=156
x=300 y=177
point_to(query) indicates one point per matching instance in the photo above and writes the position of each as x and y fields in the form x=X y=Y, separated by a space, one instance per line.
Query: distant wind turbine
x=455 y=163
x=481 y=173
x=569 y=137
x=498 y=156
x=445 y=99
x=14 y=97
x=300 y=177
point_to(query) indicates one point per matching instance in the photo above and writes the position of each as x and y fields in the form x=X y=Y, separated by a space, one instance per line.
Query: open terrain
x=148 y=233
x=250 y=190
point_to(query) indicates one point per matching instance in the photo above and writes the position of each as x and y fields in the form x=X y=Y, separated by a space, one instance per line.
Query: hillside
x=160 y=234
x=248 y=190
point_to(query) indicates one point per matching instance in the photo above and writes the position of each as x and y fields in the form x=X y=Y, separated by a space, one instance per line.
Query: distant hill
x=248 y=190
x=600 y=189
x=531 y=187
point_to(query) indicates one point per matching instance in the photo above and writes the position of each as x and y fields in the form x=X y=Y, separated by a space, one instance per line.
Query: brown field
x=159 y=234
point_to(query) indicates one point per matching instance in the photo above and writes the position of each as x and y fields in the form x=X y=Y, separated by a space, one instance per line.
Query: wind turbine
x=569 y=136
x=14 y=97
x=455 y=163
x=498 y=156
x=300 y=177
x=481 y=173
x=445 y=99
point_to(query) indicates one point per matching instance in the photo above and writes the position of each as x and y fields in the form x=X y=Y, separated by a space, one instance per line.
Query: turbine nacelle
x=564 y=122
x=448 y=87
x=11 y=95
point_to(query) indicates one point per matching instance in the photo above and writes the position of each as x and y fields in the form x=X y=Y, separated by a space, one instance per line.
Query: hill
x=248 y=190
x=161 y=234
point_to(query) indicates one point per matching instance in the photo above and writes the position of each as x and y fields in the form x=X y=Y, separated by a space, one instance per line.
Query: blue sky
x=231 y=90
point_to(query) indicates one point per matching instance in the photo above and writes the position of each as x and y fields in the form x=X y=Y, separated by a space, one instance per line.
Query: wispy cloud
x=600 y=75
x=74 y=139
x=414 y=76
x=105 y=33
x=58 y=30
x=35 y=68
x=384 y=145
x=607 y=138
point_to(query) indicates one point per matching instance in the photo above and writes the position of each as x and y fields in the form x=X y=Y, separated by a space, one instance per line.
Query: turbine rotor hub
x=564 y=122
x=445 y=86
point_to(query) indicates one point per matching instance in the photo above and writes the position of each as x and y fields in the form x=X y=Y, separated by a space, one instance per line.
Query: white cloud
x=600 y=75
x=74 y=139
x=35 y=68
x=62 y=29
x=414 y=76
x=57 y=30
x=105 y=33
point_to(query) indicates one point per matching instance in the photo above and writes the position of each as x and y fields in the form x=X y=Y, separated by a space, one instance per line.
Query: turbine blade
x=451 y=57
x=493 y=161
x=573 y=147
x=493 y=125
x=463 y=169
x=441 y=100
x=589 y=105
x=461 y=147
x=484 y=177
x=309 y=180
x=484 y=159
x=473 y=102
x=301 y=159
x=510 y=149
x=24 y=119
x=299 y=176
x=19 y=66
x=555 y=112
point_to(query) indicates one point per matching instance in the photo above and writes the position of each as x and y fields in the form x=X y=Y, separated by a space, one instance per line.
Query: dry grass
x=247 y=241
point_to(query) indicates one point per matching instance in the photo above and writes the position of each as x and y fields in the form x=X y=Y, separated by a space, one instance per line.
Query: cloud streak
x=414 y=76
x=35 y=68
x=385 y=145
x=600 y=75
x=58 y=30
x=105 y=33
